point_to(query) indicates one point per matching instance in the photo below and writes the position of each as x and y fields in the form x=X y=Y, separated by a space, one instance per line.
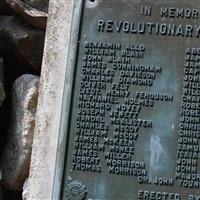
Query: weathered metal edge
x=66 y=104
x=57 y=69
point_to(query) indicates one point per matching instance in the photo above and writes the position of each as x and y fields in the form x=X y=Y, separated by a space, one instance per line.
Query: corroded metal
x=134 y=130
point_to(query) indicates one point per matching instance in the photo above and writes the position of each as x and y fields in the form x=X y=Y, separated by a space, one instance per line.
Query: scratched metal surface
x=156 y=146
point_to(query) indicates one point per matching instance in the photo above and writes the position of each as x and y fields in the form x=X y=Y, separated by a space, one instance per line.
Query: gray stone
x=38 y=4
x=25 y=190
x=2 y=92
x=55 y=71
x=16 y=156
x=24 y=41
x=34 y=11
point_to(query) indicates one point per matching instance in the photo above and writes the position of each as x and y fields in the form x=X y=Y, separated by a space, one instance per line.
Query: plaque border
x=54 y=100
x=67 y=100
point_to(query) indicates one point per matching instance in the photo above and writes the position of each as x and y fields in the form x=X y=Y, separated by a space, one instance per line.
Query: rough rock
x=25 y=190
x=38 y=4
x=32 y=11
x=22 y=40
x=2 y=92
x=4 y=8
x=1 y=192
x=15 y=160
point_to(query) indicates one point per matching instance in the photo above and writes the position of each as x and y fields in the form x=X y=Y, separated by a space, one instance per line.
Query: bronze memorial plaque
x=135 y=110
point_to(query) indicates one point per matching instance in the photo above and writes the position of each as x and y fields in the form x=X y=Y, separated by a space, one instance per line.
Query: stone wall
x=22 y=31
